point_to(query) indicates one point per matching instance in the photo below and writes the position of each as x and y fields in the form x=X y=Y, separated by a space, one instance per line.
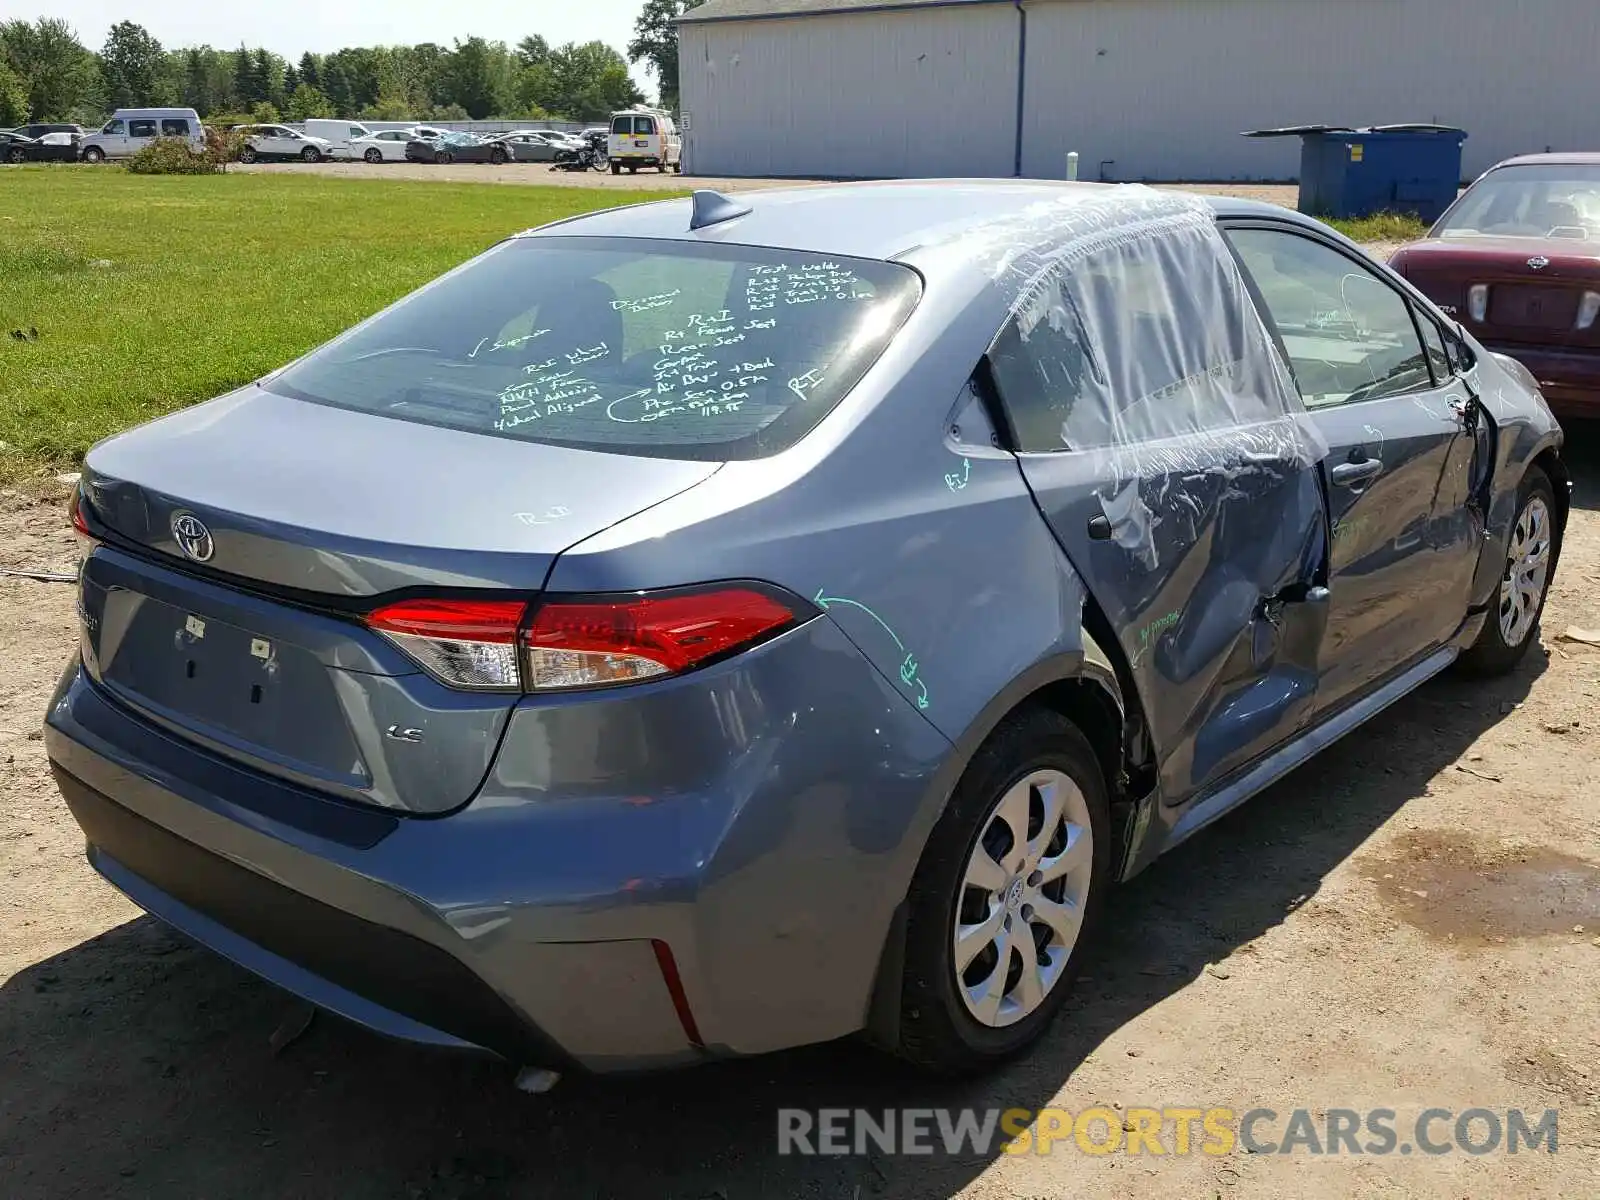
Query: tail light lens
x=465 y=643
x=1588 y=310
x=583 y=642
x=80 y=525
x=1478 y=302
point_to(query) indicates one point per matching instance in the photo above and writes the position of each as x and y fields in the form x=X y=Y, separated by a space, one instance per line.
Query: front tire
x=311 y=154
x=94 y=155
x=1006 y=898
x=497 y=158
x=247 y=154
x=15 y=155
x=1514 y=611
x=444 y=158
x=373 y=155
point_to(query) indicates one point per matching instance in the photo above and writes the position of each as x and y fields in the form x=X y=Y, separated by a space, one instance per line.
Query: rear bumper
x=531 y=923
x=1569 y=379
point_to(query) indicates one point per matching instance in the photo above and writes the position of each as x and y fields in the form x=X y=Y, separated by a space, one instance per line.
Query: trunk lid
x=310 y=513
x=1536 y=285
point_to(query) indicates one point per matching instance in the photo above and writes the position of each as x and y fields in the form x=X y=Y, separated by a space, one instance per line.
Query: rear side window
x=1140 y=340
x=174 y=127
x=661 y=348
x=141 y=129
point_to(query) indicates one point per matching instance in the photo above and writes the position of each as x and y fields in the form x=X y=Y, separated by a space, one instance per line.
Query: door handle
x=1352 y=473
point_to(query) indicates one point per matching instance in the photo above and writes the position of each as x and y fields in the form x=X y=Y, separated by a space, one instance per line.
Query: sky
x=291 y=27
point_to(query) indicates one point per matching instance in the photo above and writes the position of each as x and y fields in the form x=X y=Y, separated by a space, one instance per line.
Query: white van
x=643 y=137
x=132 y=129
x=338 y=135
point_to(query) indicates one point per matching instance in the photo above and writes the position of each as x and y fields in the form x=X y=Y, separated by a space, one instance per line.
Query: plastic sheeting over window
x=1133 y=332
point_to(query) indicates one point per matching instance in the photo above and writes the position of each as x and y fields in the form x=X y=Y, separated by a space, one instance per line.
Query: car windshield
x=661 y=348
x=1537 y=200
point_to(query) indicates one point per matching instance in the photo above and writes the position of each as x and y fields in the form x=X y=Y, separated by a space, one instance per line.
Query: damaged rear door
x=1164 y=443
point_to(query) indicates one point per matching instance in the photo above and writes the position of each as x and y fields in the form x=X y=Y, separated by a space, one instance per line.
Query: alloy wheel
x=1023 y=897
x=1527 y=569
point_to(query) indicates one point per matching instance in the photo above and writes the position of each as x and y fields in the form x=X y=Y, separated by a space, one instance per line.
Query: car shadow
x=137 y=1064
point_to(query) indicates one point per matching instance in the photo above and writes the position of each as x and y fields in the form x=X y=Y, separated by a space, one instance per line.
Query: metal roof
x=749 y=10
x=864 y=220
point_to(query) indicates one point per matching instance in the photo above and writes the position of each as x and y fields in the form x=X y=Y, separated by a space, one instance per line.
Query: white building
x=1141 y=89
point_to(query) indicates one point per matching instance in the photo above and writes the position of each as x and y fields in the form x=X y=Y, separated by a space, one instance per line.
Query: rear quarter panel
x=897 y=515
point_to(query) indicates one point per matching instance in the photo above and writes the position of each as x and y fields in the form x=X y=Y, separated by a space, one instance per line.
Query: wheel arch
x=1091 y=688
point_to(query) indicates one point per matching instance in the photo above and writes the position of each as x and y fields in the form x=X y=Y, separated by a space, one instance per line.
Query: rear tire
x=15 y=155
x=616 y=168
x=1041 y=760
x=444 y=158
x=1517 y=606
x=497 y=158
x=373 y=155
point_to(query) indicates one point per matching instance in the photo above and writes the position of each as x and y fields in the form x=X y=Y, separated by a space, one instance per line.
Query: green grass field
x=1385 y=227
x=152 y=292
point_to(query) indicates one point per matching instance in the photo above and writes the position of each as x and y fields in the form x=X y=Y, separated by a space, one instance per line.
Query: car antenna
x=712 y=208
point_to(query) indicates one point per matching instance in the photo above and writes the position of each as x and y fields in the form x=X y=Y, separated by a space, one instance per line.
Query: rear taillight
x=1478 y=302
x=582 y=642
x=80 y=525
x=465 y=643
x=594 y=642
x=1588 y=310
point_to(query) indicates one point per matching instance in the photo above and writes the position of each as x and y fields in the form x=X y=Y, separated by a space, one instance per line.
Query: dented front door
x=1208 y=574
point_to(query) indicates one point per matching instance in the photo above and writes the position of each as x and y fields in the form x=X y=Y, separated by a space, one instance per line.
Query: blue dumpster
x=1386 y=168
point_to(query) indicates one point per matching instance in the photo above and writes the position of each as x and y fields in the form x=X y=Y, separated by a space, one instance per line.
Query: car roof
x=1570 y=158
x=881 y=220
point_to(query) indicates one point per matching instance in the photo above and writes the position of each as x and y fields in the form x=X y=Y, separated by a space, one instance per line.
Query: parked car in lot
x=280 y=142
x=49 y=147
x=132 y=129
x=820 y=599
x=388 y=145
x=539 y=145
x=459 y=147
x=1517 y=259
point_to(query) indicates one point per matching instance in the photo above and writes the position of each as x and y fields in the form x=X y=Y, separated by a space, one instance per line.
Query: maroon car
x=1517 y=261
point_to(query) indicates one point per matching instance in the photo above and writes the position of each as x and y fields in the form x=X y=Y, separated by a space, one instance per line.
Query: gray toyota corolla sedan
x=713 y=626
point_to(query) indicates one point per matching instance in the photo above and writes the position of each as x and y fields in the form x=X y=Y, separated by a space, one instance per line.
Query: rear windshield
x=1560 y=200
x=661 y=348
x=621 y=124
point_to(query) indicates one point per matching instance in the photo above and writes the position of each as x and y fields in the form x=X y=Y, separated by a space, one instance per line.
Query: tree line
x=48 y=74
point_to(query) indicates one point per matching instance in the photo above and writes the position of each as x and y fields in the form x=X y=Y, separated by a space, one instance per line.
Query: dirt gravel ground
x=1411 y=921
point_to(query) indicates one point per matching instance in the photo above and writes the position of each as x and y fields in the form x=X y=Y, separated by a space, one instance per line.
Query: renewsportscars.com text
x=1149 y=1131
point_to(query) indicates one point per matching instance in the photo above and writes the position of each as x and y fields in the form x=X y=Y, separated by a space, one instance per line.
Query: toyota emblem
x=192 y=536
x=1538 y=262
